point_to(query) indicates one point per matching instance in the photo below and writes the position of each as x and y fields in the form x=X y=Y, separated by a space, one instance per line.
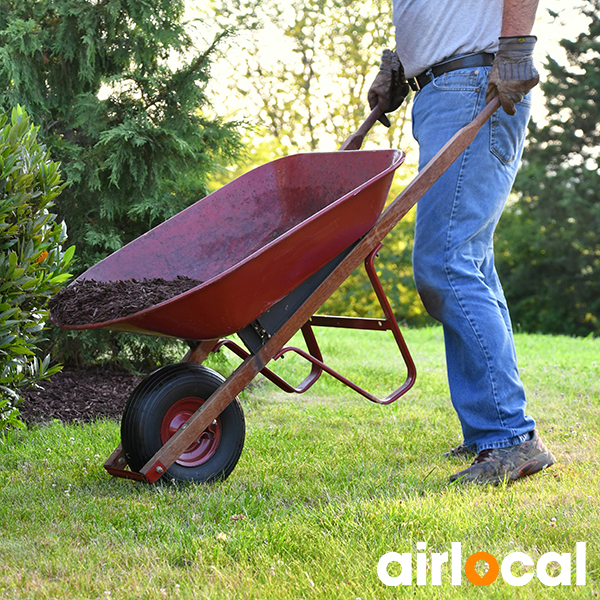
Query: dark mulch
x=88 y=301
x=79 y=395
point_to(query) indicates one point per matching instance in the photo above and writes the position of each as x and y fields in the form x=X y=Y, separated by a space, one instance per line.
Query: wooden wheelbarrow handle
x=252 y=365
x=355 y=140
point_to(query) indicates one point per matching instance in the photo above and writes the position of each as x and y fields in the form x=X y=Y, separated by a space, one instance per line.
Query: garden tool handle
x=355 y=140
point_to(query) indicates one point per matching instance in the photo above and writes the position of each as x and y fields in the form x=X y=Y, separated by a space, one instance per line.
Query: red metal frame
x=314 y=356
x=303 y=317
x=116 y=463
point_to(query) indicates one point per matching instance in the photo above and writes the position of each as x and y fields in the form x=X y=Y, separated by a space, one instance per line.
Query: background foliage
x=313 y=95
x=32 y=262
x=547 y=242
x=121 y=92
x=125 y=123
x=549 y=239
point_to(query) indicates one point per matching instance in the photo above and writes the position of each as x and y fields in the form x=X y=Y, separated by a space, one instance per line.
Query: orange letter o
x=473 y=576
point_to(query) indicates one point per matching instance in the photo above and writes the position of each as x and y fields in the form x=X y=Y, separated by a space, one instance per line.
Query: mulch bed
x=101 y=391
x=79 y=395
x=88 y=301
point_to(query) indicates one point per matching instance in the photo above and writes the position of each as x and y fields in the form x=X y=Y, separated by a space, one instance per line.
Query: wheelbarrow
x=268 y=249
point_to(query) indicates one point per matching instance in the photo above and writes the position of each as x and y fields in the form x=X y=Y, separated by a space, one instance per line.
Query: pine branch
x=199 y=63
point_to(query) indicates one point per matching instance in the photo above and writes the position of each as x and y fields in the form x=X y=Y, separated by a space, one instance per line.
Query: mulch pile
x=87 y=302
x=79 y=395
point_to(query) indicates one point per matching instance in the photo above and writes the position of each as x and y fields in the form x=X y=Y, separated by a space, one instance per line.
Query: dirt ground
x=79 y=395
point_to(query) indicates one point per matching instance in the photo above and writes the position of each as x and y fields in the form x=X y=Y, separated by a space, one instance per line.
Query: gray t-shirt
x=429 y=31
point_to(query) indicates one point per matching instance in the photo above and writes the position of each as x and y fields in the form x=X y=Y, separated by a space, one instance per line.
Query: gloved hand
x=390 y=87
x=513 y=72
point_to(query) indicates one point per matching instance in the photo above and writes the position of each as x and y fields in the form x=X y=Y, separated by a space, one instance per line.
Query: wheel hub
x=207 y=443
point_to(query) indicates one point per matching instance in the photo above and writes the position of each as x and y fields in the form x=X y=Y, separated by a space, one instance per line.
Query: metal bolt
x=184 y=426
x=214 y=422
x=121 y=461
x=159 y=469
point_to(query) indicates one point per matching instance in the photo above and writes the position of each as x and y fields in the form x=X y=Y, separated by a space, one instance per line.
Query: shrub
x=32 y=262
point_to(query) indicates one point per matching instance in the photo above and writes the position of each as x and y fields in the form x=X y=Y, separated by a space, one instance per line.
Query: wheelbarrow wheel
x=162 y=403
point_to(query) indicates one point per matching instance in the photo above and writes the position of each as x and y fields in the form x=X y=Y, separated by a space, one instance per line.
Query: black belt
x=482 y=59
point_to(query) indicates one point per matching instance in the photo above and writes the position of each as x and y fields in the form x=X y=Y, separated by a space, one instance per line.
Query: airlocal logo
x=493 y=567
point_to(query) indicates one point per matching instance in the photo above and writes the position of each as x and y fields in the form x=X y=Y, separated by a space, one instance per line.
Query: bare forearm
x=518 y=17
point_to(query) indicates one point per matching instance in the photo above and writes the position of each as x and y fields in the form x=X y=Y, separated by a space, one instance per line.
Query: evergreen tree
x=119 y=94
x=548 y=248
x=127 y=126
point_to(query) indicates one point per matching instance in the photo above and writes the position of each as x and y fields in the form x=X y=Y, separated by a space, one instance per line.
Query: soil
x=79 y=395
x=88 y=301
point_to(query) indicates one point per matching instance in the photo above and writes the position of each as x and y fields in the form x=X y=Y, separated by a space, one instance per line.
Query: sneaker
x=495 y=465
x=460 y=451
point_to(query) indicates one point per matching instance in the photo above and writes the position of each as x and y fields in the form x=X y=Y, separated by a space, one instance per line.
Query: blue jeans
x=453 y=256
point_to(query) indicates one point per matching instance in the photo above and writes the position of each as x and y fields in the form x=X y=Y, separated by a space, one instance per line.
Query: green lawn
x=326 y=485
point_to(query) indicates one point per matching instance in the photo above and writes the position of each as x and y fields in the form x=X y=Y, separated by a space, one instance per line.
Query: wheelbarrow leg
x=115 y=465
x=199 y=354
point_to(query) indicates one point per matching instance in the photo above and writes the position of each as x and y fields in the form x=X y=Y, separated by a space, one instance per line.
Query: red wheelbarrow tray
x=252 y=241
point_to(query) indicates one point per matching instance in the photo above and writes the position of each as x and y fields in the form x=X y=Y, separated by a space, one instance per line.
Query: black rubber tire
x=154 y=396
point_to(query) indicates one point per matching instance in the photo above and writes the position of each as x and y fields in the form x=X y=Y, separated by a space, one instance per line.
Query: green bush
x=32 y=262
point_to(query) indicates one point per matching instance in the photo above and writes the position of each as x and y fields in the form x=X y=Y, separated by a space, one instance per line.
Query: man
x=457 y=56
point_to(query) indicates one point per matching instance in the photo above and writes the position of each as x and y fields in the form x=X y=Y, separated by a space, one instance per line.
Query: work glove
x=390 y=87
x=513 y=72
